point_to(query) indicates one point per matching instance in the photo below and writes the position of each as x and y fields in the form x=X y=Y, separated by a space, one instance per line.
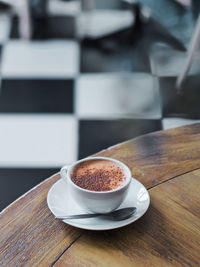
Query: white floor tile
x=170 y=123
x=5 y=23
x=101 y=22
x=107 y=95
x=56 y=59
x=57 y=7
x=166 y=61
x=37 y=140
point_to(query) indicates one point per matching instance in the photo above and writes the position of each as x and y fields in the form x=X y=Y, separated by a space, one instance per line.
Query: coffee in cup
x=98 y=175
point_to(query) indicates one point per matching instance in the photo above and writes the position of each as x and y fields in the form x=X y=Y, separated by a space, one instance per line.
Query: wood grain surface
x=168 y=235
x=159 y=156
x=29 y=233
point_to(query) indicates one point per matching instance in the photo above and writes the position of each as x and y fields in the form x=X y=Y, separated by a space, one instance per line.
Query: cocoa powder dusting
x=98 y=175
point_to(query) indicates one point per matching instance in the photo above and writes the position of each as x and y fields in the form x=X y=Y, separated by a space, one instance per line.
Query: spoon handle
x=78 y=216
x=120 y=214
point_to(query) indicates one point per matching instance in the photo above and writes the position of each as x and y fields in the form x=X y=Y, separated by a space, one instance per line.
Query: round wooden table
x=168 y=164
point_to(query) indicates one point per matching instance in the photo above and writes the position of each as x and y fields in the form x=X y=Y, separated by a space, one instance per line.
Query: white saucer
x=60 y=203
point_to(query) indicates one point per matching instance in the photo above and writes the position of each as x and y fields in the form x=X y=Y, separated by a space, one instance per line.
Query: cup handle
x=63 y=172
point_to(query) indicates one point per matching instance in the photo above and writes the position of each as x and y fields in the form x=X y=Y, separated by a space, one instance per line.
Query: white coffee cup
x=97 y=201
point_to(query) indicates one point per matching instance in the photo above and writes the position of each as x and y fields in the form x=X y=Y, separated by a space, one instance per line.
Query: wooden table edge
x=47 y=183
x=104 y=151
x=30 y=190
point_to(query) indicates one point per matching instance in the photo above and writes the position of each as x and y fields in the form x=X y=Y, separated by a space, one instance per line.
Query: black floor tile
x=50 y=27
x=0 y=52
x=14 y=31
x=4 y=7
x=186 y=104
x=98 y=134
x=33 y=95
x=105 y=4
x=15 y=182
x=100 y=58
x=61 y=27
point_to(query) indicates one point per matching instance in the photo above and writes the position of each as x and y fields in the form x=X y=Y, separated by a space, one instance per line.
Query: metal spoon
x=116 y=215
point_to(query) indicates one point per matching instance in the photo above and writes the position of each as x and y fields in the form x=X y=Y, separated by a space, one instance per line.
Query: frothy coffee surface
x=98 y=175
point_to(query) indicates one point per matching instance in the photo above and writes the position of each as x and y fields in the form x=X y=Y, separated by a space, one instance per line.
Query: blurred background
x=80 y=76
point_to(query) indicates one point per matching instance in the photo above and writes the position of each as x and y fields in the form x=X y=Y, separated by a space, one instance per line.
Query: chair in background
x=22 y=10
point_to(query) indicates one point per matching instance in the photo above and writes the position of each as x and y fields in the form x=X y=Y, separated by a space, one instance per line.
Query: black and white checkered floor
x=61 y=99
